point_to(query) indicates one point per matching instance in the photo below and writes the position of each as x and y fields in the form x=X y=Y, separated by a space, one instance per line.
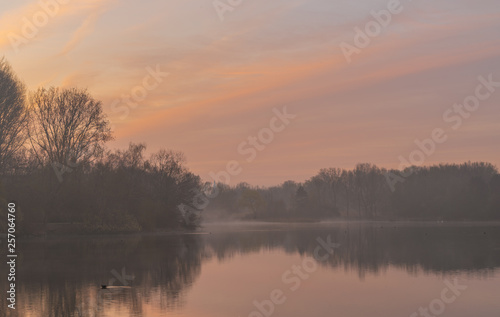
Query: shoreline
x=204 y=228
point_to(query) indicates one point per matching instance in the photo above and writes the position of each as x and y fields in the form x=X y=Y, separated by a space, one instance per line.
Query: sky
x=202 y=76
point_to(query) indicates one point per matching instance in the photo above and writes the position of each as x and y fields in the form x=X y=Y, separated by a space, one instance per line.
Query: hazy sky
x=226 y=77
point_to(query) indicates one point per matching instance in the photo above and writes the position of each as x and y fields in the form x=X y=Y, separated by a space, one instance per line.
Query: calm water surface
x=351 y=270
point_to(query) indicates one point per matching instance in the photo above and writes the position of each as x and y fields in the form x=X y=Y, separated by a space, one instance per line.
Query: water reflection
x=62 y=276
x=373 y=247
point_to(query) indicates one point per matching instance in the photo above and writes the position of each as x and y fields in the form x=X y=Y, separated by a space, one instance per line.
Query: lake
x=343 y=269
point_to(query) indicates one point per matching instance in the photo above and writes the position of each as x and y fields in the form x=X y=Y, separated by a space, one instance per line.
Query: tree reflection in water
x=62 y=276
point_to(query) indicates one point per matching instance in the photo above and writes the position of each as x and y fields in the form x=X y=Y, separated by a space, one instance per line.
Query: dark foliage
x=469 y=191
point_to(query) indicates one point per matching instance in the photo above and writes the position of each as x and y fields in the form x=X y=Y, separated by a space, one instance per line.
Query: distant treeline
x=470 y=191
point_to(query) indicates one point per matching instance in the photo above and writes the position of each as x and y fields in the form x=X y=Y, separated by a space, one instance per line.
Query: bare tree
x=168 y=164
x=66 y=125
x=12 y=114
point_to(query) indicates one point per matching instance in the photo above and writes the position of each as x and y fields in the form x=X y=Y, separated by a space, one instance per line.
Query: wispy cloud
x=86 y=28
x=16 y=22
x=88 y=25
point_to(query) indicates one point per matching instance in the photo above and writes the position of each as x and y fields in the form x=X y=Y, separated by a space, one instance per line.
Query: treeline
x=55 y=166
x=469 y=191
x=120 y=191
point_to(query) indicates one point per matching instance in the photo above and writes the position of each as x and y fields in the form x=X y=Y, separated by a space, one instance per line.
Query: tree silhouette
x=13 y=115
x=67 y=125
